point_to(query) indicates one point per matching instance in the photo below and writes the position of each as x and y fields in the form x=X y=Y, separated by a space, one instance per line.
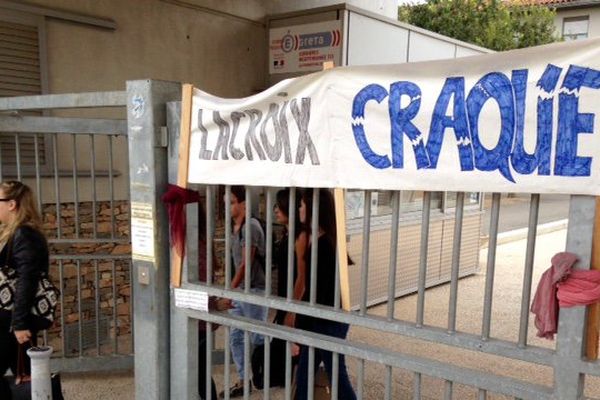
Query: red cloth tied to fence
x=175 y=199
x=580 y=288
x=563 y=286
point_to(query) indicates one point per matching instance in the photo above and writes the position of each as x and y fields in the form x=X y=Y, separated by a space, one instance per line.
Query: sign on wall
x=304 y=48
x=519 y=121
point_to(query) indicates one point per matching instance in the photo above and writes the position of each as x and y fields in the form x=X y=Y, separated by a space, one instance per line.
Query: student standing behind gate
x=325 y=290
x=257 y=280
x=280 y=261
x=280 y=254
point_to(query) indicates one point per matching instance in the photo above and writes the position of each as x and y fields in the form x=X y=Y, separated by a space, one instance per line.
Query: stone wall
x=99 y=282
x=110 y=297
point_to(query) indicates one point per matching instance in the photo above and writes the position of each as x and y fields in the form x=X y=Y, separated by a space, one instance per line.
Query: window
x=471 y=199
x=410 y=201
x=381 y=202
x=575 y=28
x=22 y=73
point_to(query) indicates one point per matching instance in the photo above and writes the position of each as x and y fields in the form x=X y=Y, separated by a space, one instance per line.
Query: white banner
x=519 y=121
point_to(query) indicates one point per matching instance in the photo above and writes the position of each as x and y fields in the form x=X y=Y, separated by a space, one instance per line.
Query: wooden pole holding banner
x=593 y=319
x=340 y=221
x=183 y=166
x=340 y=218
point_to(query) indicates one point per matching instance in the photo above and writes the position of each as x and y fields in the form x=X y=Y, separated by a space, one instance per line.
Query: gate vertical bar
x=114 y=310
x=534 y=210
x=97 y=305
x=422 y=280
x=111 y=187
x=568 y=380
x=56 y=185
x=18 y=157
x=388 y=382
x=146 y=113
x=364 y=271
x=393 y=255
x=93 y=176
x=38 y=181
x=269 y=284
x=184 y=330
x=75 y=185
x=226 y=377
x=209 y=217
x=454 y=273
x=491 y=267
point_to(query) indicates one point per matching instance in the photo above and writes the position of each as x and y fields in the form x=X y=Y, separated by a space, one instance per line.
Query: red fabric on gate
x=545 y=304
x=175 y=199
x=581 y=288
x=563 y=286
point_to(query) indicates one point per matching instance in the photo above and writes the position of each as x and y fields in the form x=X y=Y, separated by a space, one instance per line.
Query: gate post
x=184 y=330
x=568 y=380
x=146 y=115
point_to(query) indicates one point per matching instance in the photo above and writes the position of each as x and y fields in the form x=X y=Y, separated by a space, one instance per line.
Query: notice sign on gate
x=519 y=121
x=304 y=48
x=192 y=299
x=142 y=232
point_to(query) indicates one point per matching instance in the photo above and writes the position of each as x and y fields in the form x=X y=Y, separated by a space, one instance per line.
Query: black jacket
x=27 y=253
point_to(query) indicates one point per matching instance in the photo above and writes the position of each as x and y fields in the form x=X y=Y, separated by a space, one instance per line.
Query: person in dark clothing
x=280 y=253
x=325 y=289
x=280 y=261
x=25 y=250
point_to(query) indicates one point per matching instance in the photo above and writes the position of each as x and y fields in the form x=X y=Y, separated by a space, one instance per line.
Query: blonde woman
x=24 y=249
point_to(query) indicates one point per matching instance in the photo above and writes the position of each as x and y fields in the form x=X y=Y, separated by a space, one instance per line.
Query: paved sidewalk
x=95 y=386
x=514 y=211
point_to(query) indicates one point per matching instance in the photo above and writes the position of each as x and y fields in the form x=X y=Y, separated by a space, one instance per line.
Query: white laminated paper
x=193 y=299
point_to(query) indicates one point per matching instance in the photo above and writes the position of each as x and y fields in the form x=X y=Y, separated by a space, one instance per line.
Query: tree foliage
x=494 y=24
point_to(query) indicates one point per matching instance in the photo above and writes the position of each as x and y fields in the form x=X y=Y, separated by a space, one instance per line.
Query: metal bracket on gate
x=163 y=137
x=144 y=275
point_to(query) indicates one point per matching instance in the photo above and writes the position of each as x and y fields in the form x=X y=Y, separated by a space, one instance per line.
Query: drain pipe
x=41 y=388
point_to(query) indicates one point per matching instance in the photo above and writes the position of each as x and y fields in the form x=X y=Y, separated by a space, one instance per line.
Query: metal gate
x=82 y=192
x=167 y=364
x=88 y=335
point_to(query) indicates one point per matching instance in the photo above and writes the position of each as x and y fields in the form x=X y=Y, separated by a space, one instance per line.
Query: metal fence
x=451 y=378
x=166 y=346
x=70 y=164
x=426 y=373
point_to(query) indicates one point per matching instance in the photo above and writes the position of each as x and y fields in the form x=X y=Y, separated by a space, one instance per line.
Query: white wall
x=366 y=47
x=218 y=45
x=373 y=41
x=386 y=8
x=154 y=39
x=592 y=12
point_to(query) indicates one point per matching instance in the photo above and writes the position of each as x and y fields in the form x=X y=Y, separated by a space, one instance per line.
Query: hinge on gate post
x=163 y=137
